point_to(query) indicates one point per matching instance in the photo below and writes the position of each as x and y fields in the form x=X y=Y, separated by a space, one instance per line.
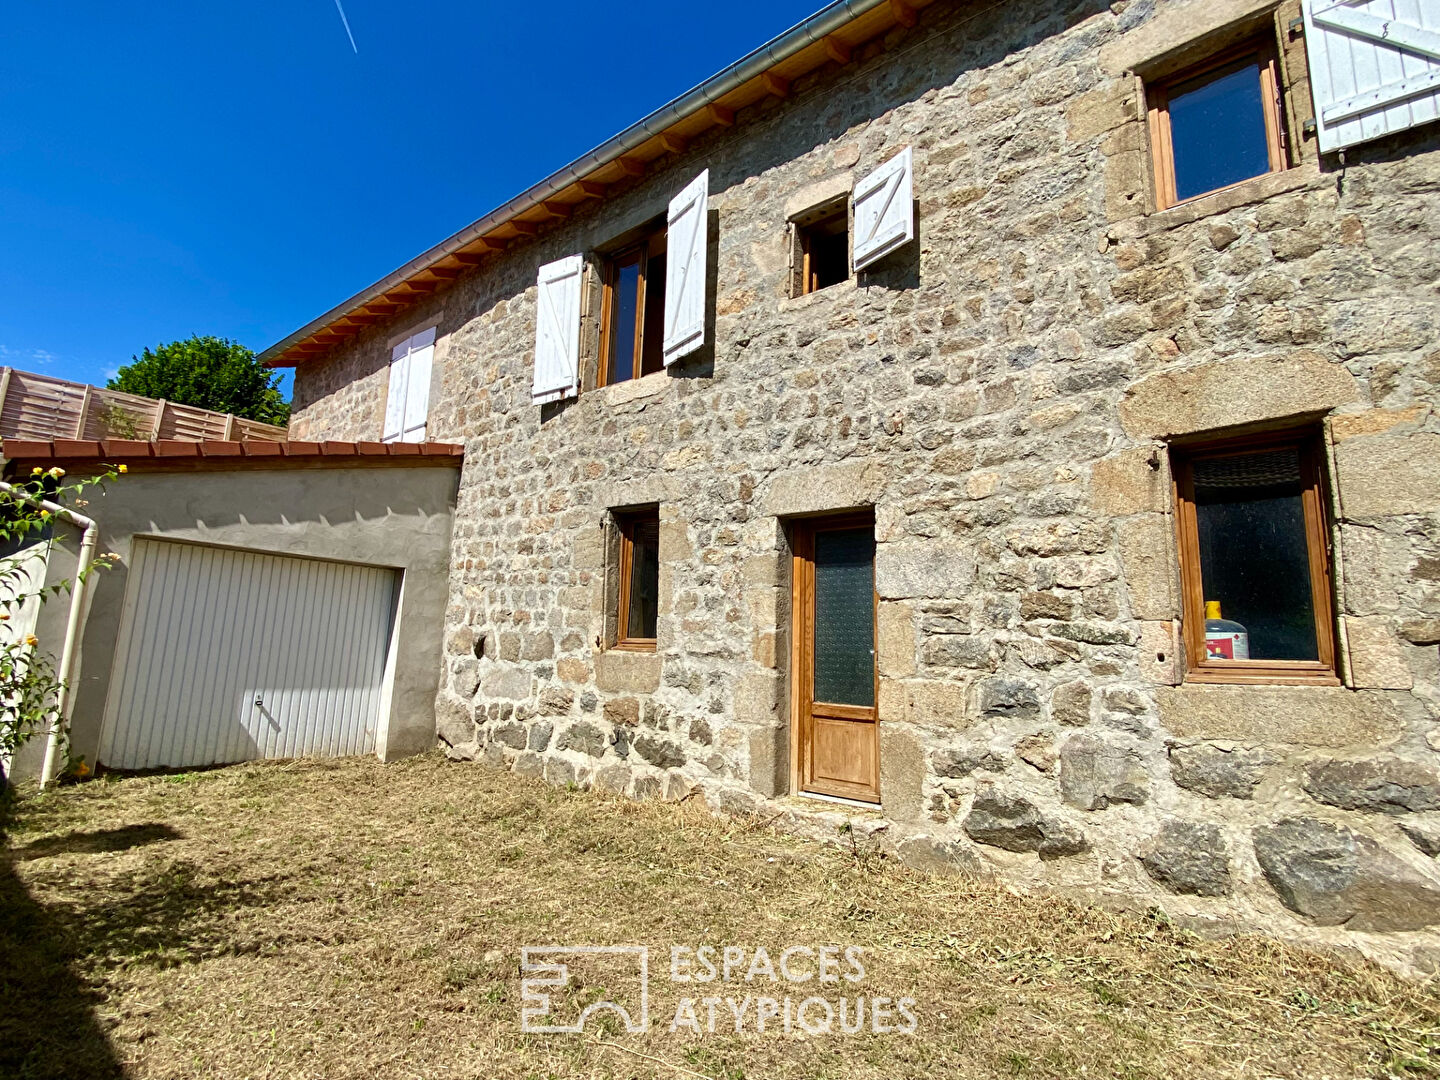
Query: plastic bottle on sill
x=1224 y=638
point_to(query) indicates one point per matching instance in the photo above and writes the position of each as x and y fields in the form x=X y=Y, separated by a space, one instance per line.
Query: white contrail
x=346 y=23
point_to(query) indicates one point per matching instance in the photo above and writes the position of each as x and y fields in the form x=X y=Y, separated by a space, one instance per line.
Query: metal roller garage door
x=229 y=655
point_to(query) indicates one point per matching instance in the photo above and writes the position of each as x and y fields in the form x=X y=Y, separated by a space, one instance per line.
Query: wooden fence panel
x=41 y=407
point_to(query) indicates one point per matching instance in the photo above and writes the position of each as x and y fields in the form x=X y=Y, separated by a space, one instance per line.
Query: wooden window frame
x=1261 y=48
x=1200 y=669
x=625 y=524
x=640 y=252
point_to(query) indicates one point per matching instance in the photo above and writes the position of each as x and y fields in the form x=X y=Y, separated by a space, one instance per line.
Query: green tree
x=208 y=373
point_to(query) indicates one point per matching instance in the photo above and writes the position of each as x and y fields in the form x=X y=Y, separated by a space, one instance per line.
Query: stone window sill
x=634 y=389
x=631 y=647
x=1245 y=193
x=846 y=288
x=1217 y=678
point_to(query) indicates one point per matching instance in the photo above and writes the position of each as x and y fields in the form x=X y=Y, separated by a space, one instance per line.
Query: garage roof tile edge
x=238 y=452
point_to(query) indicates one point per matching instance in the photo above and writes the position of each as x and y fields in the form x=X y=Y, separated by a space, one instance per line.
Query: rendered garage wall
x=394 y=516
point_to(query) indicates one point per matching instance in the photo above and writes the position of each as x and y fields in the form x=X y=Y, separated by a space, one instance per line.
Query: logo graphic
x=546 y=974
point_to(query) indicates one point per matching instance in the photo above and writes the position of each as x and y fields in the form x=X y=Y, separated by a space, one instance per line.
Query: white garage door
x=230 y=655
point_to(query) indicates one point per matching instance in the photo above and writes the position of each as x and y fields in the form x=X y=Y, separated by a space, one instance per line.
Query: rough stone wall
x=1001 y=392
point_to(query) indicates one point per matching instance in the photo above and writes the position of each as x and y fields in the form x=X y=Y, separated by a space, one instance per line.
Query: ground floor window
x=639 y=592
x=1255 y=559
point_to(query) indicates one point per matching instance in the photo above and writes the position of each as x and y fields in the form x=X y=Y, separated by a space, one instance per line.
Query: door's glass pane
x=644 y=579
x=1217 y=130
x=845 y=617
x=622 y=322
x=1254 y=556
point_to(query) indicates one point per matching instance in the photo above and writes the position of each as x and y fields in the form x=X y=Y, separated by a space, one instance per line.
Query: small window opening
x=823 y=247
x=638 y=596
x=1217 y=123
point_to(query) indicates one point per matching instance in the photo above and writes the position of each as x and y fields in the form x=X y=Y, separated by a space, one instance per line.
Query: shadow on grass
x=48 y=1023
x=82 y=843
x=161 y=914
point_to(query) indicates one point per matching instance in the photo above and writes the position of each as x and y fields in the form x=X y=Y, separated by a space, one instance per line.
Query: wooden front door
x=833 y=660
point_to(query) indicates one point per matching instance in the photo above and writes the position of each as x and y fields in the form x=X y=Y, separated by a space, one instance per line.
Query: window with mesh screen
x=845 y=617
x=1255 y=554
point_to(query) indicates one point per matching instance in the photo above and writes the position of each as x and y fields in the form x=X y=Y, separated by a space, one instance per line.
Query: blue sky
x=235 y=169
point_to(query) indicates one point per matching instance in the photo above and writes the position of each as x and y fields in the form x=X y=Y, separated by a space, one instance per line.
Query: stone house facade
x=1013 y=398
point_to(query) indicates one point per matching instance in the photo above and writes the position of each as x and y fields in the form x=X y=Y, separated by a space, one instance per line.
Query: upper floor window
x=407 y=401
x=654 y=310
x=1255 y=559
x=1218 y=122
x=632 y=327
x=822 y=247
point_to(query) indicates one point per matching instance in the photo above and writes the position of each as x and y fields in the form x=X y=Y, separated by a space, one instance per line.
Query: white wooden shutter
x=686 y=237
x=395 y=396
x=417 y=388
x=557 y=330
x=1374 y=67
x=884 y=210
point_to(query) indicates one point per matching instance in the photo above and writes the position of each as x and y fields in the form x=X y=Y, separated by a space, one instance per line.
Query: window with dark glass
x=1255 y=560
x=639 y=590
x=822 y=247
x=1217 y=123
x=632 y=331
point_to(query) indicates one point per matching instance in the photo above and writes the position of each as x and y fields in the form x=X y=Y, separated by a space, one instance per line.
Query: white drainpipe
x=72 y=625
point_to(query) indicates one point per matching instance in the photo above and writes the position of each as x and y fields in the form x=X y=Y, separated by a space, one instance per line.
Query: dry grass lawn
x=347 y=919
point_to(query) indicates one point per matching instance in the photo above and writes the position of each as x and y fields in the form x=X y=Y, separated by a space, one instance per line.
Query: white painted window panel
x=209 y=630
x=407 y=400
x=687 y=236
x=557 y=330
x=395 y=394
x=1374 y=67
x=884 y=210
x=417 y=391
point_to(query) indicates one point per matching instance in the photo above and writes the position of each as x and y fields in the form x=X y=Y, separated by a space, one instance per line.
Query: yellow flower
x=31 y=640
x=36 y=471
x=124 y=468
x=57 y=472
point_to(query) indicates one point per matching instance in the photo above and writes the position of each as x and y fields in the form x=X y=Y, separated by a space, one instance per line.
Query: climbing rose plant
x=29 y=683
